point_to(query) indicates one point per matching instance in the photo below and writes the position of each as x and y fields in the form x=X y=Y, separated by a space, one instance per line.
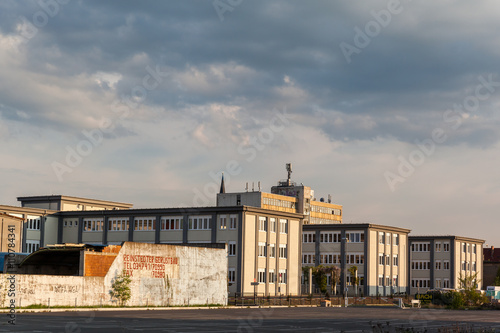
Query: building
x=40 y=221
x=263 y=245
x=439 y=261
x=491 y=265
x=378 y=251
x=287 y=196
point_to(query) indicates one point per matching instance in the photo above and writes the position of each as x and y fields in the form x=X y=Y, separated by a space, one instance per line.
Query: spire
x=222 y=187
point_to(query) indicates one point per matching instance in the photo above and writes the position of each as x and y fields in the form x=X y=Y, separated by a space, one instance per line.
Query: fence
x=258 y=299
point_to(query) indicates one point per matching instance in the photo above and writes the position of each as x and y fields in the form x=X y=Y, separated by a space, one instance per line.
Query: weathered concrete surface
x=160 y=274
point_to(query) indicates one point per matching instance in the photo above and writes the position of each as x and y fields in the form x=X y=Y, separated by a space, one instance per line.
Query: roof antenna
x=289 y=169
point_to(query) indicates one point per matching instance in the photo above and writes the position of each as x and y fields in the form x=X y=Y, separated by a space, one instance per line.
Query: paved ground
x=252 y=320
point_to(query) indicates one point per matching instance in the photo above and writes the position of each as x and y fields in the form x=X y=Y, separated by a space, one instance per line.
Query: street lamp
x=345 y=240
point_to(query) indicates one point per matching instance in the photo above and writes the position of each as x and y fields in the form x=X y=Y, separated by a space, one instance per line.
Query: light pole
x=344 y=242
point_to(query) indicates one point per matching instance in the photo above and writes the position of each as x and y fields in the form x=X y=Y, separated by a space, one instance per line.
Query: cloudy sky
x=391 y=107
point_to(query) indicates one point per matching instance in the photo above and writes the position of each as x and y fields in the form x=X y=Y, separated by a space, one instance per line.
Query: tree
x=353 y=270
x=471 y=296
x=120 y=289
x=497 y=278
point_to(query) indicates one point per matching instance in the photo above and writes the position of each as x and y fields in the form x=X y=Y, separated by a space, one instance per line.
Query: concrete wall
x=160 y=274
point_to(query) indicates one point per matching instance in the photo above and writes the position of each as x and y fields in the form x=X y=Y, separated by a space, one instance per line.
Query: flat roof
x=350 y=226
x=180 y=210
x=455 y=237
x=25 y=210
x=46 y=198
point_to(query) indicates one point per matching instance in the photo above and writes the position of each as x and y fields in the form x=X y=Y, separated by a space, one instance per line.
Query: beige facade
x=379 y=253
x=438 y=262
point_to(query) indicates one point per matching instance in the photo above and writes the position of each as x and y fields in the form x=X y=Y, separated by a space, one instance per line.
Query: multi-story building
x=437 y=262
x=263 y=245
x=287 y=196
x=379 y=252
x=40 y=222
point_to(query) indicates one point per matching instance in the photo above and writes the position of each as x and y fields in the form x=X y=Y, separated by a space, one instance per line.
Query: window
x=283 y=226
x=464 y=247
x=272 y=276
x=420 y=247
x=381 y=238
x=395 y=260
x=261 y=275
x=395 y=239
x=446 y=283
x=420 y=265
x=446 y=247
x=200 y=222
x=420 y=283
x=272 y=251
x=473 y=266
x=380 y=280
x=172 y=223
x=446 y=264
x=282 y=276
x=308 y=258
x=118 y=224
x=93 y=224
x=232 y=248
x=32 y=246
x=329 y=237
x=395 y=280
x=380 y=259
x=438 y=283
x=144 y=223
x=272 y=224
x=474 y=248
x=262 y=223
x=388 y=238
x=387 y=281
x=387 y=260
x=232 y=221
x=262 y=249
x=309 y=237
x=468 y=248
x=33 y=222
x=438 y=247
x=223 y=222
x=438 y=265
x=355 y=237
x=283 y=251
x=231 y=275
x=463 y=266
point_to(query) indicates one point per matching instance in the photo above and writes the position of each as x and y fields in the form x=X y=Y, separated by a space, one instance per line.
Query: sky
x=390 y=107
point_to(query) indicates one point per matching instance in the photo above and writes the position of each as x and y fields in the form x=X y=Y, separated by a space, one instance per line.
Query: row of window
x=264 y=223
x=148 y=223
x=468 y=266
x=326 y=210
x=446 y=247
x=273 y=278
x=331 y=258
x=32 y=246
x=385 y=259
x=333 y=237
x=33 y=223
x=466 y=248
x=279 y=203
x=425 y=283
x=262 y=250
x=385 y=238
x=387 y=281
